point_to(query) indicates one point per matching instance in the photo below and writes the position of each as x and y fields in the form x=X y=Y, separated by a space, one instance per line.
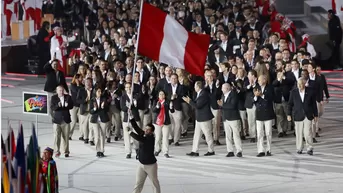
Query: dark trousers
x=44 y=58
x=335 y=57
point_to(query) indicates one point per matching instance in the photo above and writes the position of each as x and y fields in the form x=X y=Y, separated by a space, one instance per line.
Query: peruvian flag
x=165 y=40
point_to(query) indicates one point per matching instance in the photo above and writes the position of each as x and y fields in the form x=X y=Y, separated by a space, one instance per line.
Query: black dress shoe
x=128 y=156
x=242 y=137
x=116 y=139
x=166 y=155
x=86 y=141
x=92 y=143
x=81 y=139
x=97 y=154
x=193 y=154
x=70 y=138
x=101 y=154
x=217 y=142
x=319 y=129
x=261 y=154
x=253 y=140
x=209 y=153
x=314 y=140
x=171 y=141
x=310 y=152
x=280 y=135
x=184 y=134
x=299 y=152
x=239 y=154
x=230 y=154
x=268 y=153
x=109 y=140
x=317 y=134
x=177 y=144
x=66 y=155
x=157 y=153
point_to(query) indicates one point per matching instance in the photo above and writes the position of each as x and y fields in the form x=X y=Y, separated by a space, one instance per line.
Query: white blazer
x=55 y=47
x=310 y=49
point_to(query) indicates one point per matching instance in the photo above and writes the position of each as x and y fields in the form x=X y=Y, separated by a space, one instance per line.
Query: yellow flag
x=5 y=180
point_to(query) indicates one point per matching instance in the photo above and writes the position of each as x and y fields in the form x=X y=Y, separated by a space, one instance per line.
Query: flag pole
x=136 y=48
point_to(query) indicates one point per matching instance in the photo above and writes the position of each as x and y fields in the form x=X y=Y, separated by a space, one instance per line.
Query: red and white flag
x=165 y=40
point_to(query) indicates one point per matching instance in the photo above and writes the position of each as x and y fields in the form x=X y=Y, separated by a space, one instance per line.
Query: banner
x=35 y=103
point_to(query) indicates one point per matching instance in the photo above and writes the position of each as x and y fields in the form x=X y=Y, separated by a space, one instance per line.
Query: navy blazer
x=265 y=104
x=230 y=107
x=61 y=114
x=97 y=112
x=300 y=109
x=202 y=107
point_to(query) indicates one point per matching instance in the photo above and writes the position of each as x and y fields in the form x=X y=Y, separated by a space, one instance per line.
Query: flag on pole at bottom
x=163 y=39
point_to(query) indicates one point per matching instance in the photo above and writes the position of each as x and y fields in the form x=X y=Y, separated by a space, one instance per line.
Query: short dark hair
x=152 y=127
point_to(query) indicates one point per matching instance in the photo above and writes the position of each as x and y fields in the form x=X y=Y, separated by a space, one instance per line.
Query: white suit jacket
x=55 y=47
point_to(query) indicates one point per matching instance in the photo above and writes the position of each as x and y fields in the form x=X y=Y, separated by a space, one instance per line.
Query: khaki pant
x=206 y=128
x=281 y=117
x=264 y=127
x=216 y=124
x=142 y=172
x=128 y=139
x=116 y=123
x=185 y=117
x=176 y=120
x=145 y=118
x=74 y=115
x=61 y=130
x=252 y=121
x=232 y=135
x=161 y=138
x=244 y=120
x=84 y=125
x=99 y=135
x=315 y=124
x=303 y=129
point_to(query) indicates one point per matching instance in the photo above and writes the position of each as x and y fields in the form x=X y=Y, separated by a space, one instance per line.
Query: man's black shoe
x=209 y=153
x=261 y=154
x=193 y=154
x=230 y=154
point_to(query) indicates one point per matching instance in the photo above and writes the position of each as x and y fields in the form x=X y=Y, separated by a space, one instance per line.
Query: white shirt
x=226 y=95
x=224 y=45
x=62 y=101
x=174 y=87
x=302 y=95
x=312 y=77
x=198 y=93
x=98 y=102
x=296 y=73
x=107 y=53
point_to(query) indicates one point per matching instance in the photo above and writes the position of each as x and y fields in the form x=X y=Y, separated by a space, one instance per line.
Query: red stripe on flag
x=196 y=52
x=151 y=31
